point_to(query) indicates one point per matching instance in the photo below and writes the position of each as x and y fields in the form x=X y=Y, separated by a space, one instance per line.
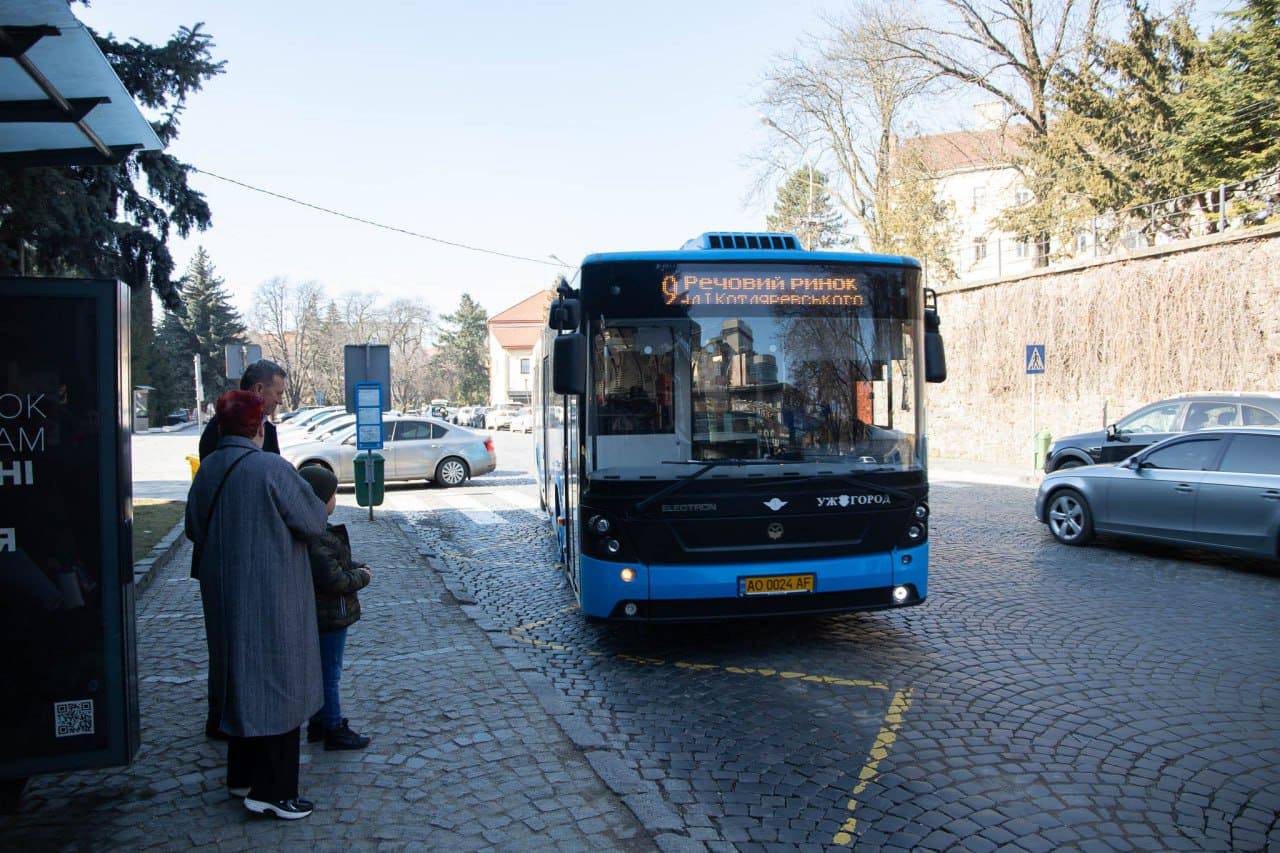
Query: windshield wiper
x=707 y=465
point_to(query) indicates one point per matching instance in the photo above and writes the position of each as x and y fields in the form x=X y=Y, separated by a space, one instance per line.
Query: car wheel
x=1070 y=520
x=451 y=472
x=1068 y=463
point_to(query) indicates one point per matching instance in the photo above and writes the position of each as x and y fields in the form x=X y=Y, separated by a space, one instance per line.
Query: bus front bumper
x=696 y=592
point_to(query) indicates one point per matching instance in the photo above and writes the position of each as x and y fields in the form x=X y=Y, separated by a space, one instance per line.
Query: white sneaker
x=283 y=809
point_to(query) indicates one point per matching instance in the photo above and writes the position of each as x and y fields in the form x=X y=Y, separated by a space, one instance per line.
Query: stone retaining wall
x=1202 y=315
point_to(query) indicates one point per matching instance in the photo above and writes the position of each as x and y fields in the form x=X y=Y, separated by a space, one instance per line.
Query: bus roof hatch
x=766 y=240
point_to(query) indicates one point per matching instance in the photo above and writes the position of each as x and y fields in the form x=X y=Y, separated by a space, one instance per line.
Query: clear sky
x=557 y=127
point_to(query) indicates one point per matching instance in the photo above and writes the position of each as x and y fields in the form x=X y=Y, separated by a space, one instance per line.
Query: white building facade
x=512 y=334
x=974 y=172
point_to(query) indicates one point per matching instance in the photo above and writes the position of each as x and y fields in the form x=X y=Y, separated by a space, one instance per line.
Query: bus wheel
x=451 y=472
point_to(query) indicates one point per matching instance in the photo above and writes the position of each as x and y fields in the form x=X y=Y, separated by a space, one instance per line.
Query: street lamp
x=807 y=233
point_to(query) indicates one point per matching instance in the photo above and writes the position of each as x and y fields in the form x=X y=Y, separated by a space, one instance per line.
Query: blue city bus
x=737 y=429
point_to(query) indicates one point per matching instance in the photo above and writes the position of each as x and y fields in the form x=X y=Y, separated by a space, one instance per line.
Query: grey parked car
x=1218 y=489
x=1158 y=421
x=416 y=448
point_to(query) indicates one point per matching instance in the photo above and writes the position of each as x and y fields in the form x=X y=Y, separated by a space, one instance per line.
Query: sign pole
x=199 y=392
x=368 y=477
x=1034 y=365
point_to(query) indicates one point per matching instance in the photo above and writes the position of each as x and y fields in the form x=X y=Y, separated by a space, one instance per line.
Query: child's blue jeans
x=331 y=645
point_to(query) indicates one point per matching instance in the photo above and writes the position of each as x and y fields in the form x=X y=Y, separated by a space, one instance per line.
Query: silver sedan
x=1217 y=489
x=416 y=448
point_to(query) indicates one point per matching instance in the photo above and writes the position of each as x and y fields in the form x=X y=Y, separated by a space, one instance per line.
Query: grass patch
x=152 y=519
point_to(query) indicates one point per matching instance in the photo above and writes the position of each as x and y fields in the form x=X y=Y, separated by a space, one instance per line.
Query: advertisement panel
x=68 y=684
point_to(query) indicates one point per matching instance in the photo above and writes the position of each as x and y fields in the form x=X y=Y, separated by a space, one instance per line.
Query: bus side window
x=632 y=370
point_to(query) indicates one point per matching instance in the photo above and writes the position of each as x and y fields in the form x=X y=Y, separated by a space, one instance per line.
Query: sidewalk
x=986 y=473
x=463 y=756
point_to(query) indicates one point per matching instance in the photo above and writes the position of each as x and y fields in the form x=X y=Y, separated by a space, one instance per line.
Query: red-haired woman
x=250 y=515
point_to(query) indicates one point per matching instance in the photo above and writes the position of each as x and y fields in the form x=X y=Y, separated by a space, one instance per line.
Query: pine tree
x=1112 y=140
x=1231 y=125
x=115 y=221
x=205 y=323
x=463 y=354
x=804 y=208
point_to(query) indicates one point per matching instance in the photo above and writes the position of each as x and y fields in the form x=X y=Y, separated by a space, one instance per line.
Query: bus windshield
x=794 y=384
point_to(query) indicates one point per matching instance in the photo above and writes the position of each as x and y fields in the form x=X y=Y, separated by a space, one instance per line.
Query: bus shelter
x=68 y=674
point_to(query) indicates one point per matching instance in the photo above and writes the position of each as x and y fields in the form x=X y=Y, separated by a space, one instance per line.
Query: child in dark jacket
x=337 y=580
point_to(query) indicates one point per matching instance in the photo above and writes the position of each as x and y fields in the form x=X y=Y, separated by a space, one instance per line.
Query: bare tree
x=1009 y=49
x=406 y=328
x=844 y=100
x=288 y=318
x=359 y=313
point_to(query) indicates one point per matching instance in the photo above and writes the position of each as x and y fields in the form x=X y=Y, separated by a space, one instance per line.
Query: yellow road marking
x=879 y=751
x=538 y=623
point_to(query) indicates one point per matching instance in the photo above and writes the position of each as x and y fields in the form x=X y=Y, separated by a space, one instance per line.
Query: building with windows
x=512 y=334
x=973 y=170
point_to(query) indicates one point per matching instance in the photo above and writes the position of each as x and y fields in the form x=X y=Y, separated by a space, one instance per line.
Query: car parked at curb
x=1217 y=489
x=416 y=448
x=1156 y=422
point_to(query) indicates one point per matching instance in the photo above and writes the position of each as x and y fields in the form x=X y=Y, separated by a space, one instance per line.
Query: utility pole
x=199 y=391
x=808 y=169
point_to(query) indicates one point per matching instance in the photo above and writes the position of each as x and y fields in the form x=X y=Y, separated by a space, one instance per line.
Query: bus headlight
x=922 y=512
x=900 y=594
x=599 y=524
x=628 y=575
x=613 y=546
x=914 y=532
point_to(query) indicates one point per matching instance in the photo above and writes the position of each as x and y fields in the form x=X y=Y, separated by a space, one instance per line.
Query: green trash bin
x=1043 y=439
x=365 y=495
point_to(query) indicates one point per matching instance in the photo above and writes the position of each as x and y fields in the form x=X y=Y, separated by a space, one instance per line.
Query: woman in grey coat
x=250 y=515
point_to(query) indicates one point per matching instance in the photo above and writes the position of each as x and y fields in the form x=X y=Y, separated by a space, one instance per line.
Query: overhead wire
x=364 y=221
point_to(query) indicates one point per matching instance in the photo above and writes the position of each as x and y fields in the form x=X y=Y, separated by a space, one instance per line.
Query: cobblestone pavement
x=1115 y=697
x=464 y=755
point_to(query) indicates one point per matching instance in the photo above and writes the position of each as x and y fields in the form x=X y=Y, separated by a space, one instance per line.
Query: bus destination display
x=796 y=288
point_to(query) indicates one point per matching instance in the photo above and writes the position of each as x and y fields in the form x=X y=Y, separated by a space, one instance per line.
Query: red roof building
x=512 y=334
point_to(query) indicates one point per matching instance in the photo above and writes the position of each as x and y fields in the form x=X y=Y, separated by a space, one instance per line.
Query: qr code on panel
x=73 y=718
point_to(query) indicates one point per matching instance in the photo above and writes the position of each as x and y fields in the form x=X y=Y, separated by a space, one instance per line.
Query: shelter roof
x=61 y=103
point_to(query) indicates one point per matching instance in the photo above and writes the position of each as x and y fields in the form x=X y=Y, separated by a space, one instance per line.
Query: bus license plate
x=775 y=585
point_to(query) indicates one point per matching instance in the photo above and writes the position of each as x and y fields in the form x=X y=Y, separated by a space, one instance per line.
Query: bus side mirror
x=565 y=315
x=935 y=354
x=569 y=364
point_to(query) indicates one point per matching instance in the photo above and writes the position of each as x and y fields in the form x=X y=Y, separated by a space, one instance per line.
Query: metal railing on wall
x=1117 y=233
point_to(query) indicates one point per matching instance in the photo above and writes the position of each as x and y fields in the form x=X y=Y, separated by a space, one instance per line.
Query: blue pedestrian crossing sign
x=1035 y=358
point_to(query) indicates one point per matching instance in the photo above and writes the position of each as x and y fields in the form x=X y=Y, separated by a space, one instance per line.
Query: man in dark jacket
x=262 y=377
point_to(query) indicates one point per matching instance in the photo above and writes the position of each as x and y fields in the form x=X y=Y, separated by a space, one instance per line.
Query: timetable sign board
x=369 y=432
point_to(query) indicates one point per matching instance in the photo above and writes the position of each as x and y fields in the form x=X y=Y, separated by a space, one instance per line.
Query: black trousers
x=267 y=766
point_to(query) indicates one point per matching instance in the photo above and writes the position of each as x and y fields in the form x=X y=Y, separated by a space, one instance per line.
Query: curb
x=640 y=796
x=161 y=555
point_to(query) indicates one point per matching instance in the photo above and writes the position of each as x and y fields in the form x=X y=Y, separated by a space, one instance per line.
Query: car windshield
x=1159 y=418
